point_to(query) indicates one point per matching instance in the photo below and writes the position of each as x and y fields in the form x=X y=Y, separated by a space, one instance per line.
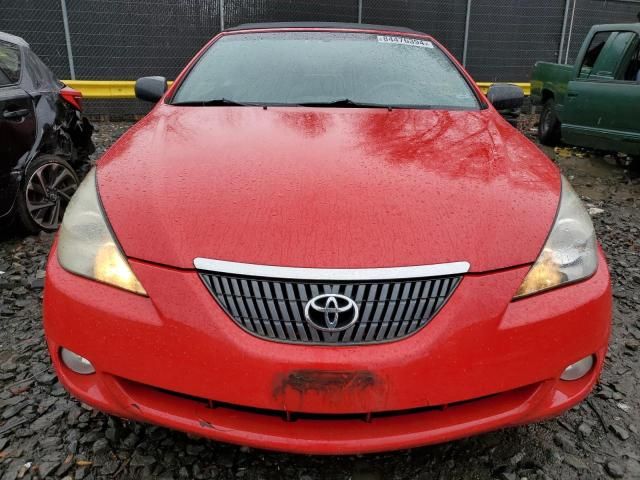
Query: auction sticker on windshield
x=416 y=42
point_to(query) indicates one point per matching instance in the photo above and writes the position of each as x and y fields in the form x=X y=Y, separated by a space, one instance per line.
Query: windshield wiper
x=216 y=102
x=344 y=102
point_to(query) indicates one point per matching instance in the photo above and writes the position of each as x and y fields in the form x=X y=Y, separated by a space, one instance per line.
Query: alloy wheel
x=48 y=192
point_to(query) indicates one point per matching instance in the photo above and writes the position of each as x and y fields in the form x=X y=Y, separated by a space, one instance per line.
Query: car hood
x=328 y=188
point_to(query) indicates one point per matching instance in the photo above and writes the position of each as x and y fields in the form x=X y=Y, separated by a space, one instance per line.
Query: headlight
x=570 y=253
x=86 y=245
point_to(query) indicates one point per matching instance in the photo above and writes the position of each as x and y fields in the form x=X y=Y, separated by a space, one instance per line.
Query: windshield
x=345 y=69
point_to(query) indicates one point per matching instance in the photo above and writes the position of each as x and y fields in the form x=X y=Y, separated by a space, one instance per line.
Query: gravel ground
x=46 y=433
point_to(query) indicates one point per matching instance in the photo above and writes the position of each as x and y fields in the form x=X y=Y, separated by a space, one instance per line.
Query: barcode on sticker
x=415 y=42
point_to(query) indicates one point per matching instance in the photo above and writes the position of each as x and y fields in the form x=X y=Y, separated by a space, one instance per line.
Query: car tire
x=549 y=125
x=47 y=187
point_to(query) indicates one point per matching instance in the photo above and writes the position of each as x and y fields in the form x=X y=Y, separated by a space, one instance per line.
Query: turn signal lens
x=543 y=275
x=111 y=267
x=86 y=245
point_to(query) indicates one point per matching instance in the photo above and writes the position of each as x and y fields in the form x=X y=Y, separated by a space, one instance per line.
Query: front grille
x=274 y=308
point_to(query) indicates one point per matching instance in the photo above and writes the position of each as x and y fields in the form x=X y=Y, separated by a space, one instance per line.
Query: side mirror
x=505 y=96
x=150 y=89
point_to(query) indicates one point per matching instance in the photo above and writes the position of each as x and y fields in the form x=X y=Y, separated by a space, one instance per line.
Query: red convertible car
x=325 y=239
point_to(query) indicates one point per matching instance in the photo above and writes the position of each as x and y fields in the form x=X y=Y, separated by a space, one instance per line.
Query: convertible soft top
x=351 y=26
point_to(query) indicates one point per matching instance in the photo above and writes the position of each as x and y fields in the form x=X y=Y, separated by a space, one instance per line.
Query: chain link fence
x=507 y=37
x=237 y=12
x=498 y=40
x=40 y=22
x=445 y=20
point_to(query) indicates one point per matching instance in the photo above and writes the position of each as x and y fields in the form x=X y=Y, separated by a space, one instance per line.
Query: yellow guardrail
x=124 y=88
x=104 y=88
x=526 y=86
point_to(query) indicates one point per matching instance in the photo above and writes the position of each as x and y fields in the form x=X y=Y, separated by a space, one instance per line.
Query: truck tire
x=549 y=125
x=47 y=187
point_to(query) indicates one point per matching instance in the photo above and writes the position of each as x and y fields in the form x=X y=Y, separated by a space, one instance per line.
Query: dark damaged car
x=44 y=139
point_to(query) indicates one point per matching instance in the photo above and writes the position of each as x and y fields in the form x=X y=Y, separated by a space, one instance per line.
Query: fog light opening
x=579 y=369
x=76 y=363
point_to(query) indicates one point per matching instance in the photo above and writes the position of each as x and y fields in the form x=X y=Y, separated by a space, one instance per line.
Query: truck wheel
x=46 y=190
x=549 y=125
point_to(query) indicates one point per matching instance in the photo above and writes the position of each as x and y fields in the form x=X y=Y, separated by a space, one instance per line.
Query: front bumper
x=177 y=360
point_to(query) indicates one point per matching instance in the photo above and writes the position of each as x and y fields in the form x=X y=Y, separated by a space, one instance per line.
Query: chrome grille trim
x=332 y=274
x=273 y=307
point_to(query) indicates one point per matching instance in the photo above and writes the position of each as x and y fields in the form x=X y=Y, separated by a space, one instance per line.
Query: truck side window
x=596 y=46
x=630 y=71
x=9 y=64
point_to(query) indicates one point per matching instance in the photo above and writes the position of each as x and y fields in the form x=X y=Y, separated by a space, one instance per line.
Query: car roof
x=617 y=26
x=327 y=25
x=7 y=37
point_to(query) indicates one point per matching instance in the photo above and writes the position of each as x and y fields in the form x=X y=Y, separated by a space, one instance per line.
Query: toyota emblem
x=331 y=312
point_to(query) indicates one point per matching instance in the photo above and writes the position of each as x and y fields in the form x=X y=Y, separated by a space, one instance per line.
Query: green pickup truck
x=595 y=102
